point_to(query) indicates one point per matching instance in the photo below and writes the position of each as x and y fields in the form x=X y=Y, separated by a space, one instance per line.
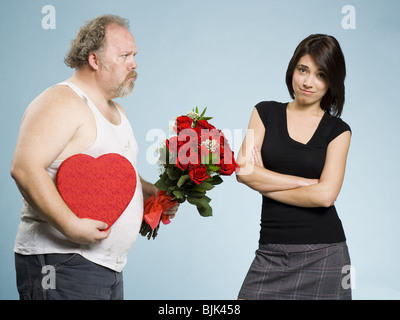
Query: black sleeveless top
x=287 y=224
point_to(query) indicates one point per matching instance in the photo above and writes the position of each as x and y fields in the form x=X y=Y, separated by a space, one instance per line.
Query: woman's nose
x=307 y=82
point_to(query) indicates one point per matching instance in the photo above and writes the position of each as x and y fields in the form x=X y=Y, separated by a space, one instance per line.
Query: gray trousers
x=65 y=277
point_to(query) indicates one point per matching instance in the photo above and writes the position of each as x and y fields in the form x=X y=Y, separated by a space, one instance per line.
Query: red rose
x=175 y=143
x=203 y=124
x=198 y=173
x=187 y=155
x=172 y=144
x=203 y=128
x=181 y=166
x=228 y=165
x=223 y=141
x=227 y=169
x=183 y=122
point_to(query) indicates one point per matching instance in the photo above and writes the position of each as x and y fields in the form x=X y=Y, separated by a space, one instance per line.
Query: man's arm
x=49 y=124
x=151 y=190
x=148 y=189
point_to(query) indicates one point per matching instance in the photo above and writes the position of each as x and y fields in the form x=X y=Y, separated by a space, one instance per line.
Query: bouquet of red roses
x=191 y=162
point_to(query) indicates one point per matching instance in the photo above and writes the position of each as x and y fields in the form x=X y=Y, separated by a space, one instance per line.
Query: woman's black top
x=287 y=224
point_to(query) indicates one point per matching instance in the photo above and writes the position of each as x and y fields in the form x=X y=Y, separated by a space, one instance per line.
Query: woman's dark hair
x=329 y=57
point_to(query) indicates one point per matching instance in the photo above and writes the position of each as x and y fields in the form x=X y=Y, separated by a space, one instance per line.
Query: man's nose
x=132 y=63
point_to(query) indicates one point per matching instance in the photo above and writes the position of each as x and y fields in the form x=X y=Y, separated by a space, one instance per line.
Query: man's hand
x=86 y=231
x=171 y=211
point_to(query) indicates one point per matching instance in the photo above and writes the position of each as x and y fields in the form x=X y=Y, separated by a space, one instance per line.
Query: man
x=77 y=116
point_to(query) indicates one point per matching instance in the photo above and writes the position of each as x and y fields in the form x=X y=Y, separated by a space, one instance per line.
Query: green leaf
x=192 y=200
x=206 y=186
x=162 y=184
x=178 y=194
x=213 y=168
x=202 y=205
x=216 y=180
x=204 y=111
x=182 y=180
x=197 y=199
x=173 y=172
x=204 y=208
x=197 y=189
x=205 y=211
x=195 y=194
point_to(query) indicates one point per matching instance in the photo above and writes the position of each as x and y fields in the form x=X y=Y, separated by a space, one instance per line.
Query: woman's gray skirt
x=304 y=272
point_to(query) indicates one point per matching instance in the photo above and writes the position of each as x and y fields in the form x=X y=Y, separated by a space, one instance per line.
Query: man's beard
x=126 y=87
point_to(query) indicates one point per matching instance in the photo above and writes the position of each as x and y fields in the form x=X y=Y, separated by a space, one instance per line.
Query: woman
x=295 y=154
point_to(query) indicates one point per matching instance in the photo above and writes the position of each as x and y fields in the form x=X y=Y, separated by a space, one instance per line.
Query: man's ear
x=94 y=61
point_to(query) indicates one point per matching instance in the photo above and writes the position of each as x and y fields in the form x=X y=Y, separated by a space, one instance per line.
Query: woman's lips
x=307 y=92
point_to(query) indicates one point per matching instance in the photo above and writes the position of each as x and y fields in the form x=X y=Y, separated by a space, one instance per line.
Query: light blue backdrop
x=227 y=56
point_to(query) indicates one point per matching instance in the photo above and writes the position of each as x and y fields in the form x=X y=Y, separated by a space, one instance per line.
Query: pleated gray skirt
x=299 y=272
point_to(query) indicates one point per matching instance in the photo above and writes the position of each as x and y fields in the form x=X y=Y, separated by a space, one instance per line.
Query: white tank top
x=36 y=236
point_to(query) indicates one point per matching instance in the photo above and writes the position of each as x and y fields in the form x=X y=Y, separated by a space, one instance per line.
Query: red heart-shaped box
x=97 y=188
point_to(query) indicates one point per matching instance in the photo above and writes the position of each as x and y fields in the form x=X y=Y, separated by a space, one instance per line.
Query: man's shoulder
x=60 y=93
x=57 y=98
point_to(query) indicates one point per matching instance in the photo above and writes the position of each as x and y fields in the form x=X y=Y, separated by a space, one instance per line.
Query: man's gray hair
x=91 y=38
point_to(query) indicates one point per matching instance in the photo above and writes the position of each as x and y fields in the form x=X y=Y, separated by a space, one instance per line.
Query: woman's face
x=309 y=81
